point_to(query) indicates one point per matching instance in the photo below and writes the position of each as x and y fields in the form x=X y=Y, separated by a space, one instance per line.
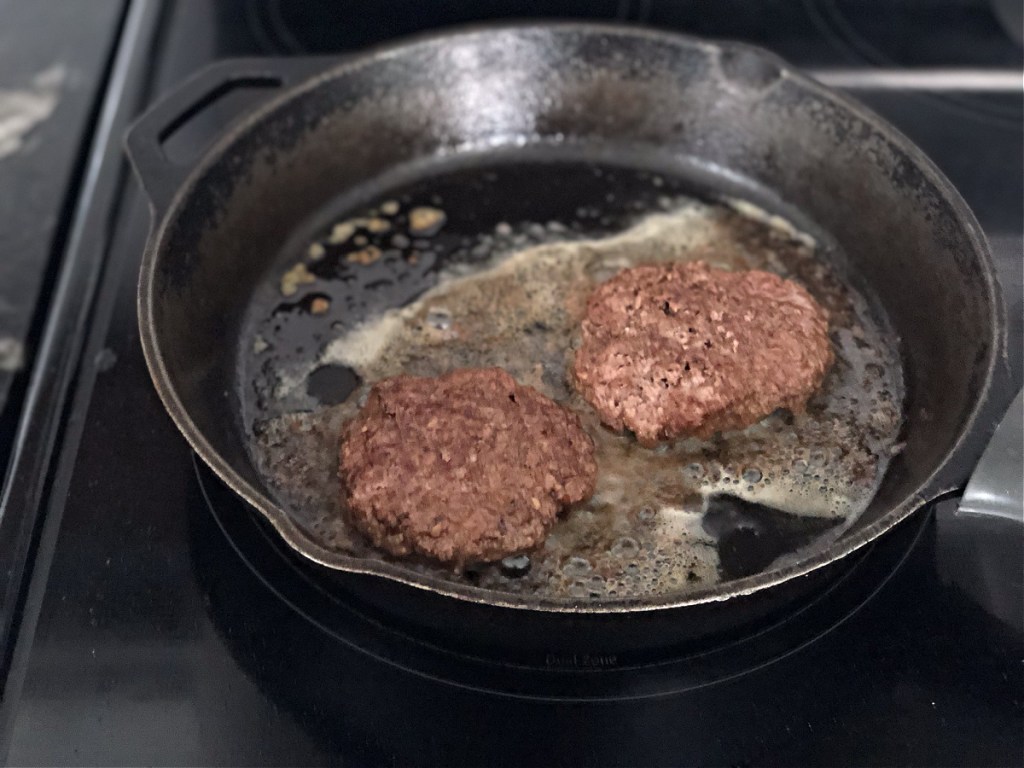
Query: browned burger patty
x=684 y=349
x=467 y=467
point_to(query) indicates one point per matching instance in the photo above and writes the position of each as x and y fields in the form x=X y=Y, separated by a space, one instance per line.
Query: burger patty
x=466 y=467
x=684 y=349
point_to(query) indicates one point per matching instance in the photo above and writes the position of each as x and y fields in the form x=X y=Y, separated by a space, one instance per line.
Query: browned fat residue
x=425 y=221
x=296 y=276
x=341 y=232
x=640 y=535
x=364 y=256
x=319 y=305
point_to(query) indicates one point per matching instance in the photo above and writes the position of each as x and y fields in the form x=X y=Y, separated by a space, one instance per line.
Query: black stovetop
x=162 y=623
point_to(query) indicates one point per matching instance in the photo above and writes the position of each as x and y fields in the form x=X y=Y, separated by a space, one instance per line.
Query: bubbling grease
x=641 y=532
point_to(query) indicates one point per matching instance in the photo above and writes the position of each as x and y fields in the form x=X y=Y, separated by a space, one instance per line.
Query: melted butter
x=640 y=533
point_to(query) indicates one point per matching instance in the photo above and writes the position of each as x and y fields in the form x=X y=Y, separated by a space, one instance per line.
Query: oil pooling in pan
x=659 y=519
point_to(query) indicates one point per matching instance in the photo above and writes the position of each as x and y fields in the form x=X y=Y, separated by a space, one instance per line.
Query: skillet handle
x=162 y=175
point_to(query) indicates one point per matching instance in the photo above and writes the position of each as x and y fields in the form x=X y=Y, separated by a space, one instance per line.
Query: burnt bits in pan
x=503 y=282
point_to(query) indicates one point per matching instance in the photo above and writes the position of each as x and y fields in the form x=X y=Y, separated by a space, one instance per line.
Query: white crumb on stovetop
x=23 y=109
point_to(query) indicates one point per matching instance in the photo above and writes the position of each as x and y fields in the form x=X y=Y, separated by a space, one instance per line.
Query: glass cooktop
x=159 y=621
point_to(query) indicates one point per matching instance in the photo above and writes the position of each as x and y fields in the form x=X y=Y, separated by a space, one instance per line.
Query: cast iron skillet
x=220 y=225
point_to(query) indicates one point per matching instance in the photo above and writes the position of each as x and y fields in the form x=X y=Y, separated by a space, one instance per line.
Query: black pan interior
x=509 y=201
